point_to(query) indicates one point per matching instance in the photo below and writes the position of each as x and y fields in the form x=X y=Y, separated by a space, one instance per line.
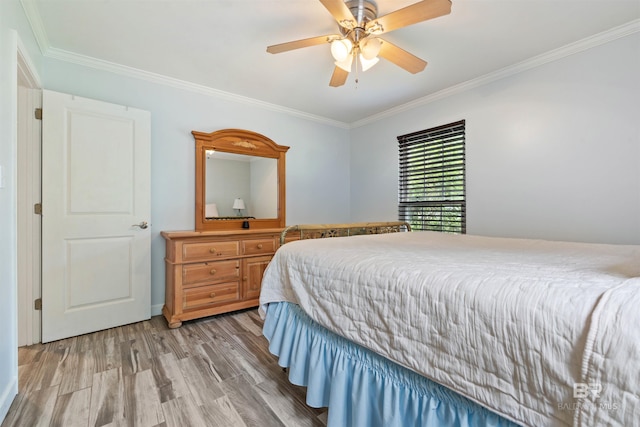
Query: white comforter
x=543 y=333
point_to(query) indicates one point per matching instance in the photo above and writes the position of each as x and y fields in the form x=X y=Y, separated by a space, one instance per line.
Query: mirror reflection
x=240 y=186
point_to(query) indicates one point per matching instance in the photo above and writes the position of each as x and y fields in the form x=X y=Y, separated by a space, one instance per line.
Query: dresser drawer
x=196 y=298
x=210 y=250
x=208 y=272
x=259 y=246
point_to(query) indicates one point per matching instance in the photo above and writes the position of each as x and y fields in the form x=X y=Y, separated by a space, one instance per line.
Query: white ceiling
x=221 y=44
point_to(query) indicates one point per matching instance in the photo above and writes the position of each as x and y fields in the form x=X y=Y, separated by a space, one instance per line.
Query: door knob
x=143 y=225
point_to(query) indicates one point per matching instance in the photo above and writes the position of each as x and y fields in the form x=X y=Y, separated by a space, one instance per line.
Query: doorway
x=28 y=194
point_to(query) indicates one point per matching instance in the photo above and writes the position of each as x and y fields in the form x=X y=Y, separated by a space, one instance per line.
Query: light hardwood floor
x=215 y=371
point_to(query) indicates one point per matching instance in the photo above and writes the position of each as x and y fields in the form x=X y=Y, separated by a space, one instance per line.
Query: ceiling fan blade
x=297 y=44
x=340 y=12
x=339 y=77
x=401 y=58
x=417 y=12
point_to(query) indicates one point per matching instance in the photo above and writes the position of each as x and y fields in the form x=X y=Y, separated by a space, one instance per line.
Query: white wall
x=8 y=224
x=264 y=188
x=553 y=152
x=226 y=180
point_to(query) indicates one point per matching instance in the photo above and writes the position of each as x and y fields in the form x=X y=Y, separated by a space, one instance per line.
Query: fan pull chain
x=357 y=71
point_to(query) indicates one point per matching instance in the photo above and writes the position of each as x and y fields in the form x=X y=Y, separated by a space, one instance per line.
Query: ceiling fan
x=360 y=29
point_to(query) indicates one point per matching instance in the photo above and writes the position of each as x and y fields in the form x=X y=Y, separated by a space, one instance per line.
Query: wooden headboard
x=321 y=231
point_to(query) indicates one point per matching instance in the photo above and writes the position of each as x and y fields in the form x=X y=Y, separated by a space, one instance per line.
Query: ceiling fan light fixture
x=368 y=63
x=341 y=49
x=370 y=47
x=357 y=39
x=345 y=64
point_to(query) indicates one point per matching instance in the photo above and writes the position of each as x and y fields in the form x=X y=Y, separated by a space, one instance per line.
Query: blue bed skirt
x=359 y=387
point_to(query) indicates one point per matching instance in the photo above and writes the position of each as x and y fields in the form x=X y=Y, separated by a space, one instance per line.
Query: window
x=432 y=179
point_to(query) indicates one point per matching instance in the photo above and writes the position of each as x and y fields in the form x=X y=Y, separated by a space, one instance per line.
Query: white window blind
x=432 y=179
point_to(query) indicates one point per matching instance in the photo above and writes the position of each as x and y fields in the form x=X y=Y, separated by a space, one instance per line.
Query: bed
x=426 y=328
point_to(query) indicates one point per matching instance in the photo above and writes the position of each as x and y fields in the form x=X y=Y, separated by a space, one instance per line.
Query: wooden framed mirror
x=240 y=181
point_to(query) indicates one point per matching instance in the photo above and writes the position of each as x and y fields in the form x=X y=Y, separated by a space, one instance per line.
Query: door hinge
x=37 y=208
x=38 y=113
x=37 y=304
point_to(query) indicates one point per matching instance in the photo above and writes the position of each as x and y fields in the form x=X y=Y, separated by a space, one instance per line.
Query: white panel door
x=95 y=208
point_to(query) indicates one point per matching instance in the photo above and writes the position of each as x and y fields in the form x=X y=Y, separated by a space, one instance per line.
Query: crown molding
x=35 y=21
x=33 y=16
x=37 y=26
x=536 y=61
x=102 y=65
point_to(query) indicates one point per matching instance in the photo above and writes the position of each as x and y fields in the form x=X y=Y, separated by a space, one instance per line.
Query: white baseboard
x=7 y=396
x=156 y=310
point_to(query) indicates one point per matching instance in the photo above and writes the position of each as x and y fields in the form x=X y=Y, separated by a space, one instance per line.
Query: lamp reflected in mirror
x=238 y=205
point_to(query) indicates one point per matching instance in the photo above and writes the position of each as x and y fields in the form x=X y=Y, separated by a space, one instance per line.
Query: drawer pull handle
x=259 y=245
x=213 y=295
x=213 y=271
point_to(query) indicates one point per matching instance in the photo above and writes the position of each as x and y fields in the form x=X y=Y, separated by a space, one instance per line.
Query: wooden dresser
x=213 y=272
